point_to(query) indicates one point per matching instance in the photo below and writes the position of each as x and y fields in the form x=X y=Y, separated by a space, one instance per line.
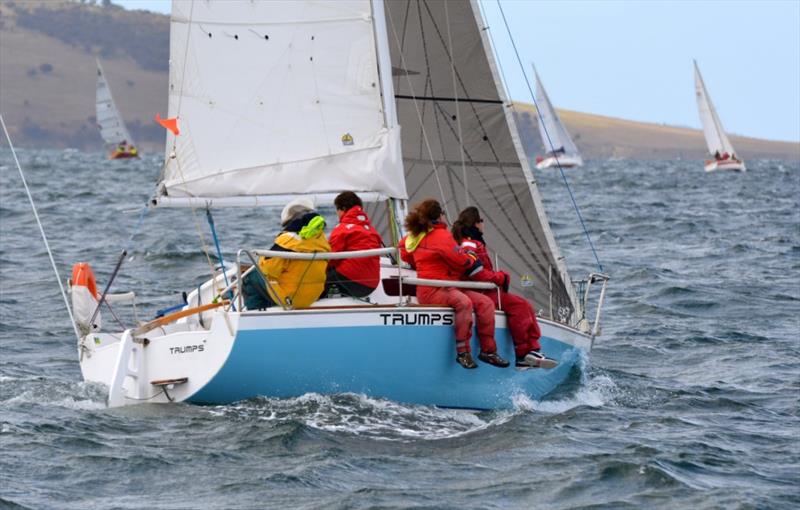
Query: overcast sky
x=633 y=59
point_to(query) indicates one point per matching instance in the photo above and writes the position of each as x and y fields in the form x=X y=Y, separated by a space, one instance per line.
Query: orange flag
x=171 y=124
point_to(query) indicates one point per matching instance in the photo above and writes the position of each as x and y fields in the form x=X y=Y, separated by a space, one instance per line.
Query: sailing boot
x=493 y=359
x=536 y=359
x=465 y=360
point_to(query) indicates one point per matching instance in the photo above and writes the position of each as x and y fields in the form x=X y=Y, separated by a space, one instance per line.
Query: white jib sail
x=277 y=98
x=112 y=129
x=550 y=125
x=716 y=139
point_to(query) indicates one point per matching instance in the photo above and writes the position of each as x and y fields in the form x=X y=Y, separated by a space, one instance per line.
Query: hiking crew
x=431 y=250
x=291 y=283
x=520 y=314
x=353 y=277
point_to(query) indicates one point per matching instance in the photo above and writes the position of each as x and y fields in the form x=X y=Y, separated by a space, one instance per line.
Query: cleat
x=465 y=360
x=493 y=359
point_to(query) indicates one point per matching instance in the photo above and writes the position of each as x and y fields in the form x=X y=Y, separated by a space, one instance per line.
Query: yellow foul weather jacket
x=297 y=283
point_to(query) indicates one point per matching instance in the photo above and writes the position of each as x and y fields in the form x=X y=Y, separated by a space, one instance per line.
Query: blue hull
x=411 y=364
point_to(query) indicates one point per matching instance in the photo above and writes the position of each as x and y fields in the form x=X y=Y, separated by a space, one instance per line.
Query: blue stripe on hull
x=411 y=364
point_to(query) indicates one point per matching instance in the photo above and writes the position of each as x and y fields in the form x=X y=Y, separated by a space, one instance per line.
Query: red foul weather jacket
x=488 y=274
x=355 y=232
x=436 y=255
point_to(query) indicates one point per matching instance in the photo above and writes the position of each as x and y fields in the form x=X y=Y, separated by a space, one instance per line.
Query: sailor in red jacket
x=353 y=277
x=522 y=323
x=431 y=250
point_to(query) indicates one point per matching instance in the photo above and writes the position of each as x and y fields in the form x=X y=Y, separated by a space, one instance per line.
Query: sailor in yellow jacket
x=297 y=283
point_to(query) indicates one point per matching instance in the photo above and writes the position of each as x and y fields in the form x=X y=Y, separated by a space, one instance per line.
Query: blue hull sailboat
x=322 y=113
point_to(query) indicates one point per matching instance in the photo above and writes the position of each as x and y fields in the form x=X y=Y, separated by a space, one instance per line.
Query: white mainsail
x=112 y=128
x=716 y=139
x=277 y=98
x=461 y=144
x=555 y=137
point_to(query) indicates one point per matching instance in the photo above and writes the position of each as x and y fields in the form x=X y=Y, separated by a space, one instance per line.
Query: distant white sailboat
x=719 y=147
x=116 y=136
x=554 y=135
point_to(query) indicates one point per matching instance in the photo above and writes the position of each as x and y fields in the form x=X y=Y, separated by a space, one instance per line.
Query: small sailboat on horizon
x=554 y=134
x=118 y=140
x=719 y=146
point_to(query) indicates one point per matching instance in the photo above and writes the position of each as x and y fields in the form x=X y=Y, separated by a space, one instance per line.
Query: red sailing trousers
x=464 y=302
x=521 y=322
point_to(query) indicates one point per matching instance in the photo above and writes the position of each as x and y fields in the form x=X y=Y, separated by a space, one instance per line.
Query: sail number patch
x=417 y=319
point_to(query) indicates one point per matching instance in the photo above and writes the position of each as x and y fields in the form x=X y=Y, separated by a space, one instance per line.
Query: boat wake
x=385 y=420
x=596 y=391
x=366 y=416
x=24 y=391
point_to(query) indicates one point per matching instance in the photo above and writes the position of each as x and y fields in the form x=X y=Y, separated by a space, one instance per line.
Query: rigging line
x=429 y=83
x=493 y=150
x=458 y=113
x=560 y=168
x=216 y=243
x=221 y=260
x=41 y=229
x=494 y=45
x=117 y=267
x=489 y=140
x=183 y=70
x=497 y=200
x=416 y=105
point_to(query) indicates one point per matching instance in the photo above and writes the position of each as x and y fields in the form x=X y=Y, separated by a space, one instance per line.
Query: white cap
x=296 y=207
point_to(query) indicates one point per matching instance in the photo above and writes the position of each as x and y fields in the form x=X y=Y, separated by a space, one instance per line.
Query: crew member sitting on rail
x=432 y=251
x=522 y=323
x=291 y=283
x=353 y=277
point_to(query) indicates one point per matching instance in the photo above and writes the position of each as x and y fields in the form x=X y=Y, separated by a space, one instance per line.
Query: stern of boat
x=165 y=364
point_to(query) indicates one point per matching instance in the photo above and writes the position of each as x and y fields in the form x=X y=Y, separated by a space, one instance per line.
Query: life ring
x=83 y=276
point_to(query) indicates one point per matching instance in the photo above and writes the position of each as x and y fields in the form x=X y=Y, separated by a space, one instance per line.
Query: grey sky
x=633 y=59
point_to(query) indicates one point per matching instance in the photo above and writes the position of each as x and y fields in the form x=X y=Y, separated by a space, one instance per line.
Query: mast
x=398 y=206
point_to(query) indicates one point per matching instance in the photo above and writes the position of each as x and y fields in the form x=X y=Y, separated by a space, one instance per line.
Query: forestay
x=550 y=124
x=447 y=89
x=112 y=129
x=277 y=98
x=716 y=139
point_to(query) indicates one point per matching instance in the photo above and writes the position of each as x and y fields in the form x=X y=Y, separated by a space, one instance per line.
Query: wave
x=365 y=416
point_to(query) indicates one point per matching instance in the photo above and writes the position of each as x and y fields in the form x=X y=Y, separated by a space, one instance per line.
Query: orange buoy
x=83 y=276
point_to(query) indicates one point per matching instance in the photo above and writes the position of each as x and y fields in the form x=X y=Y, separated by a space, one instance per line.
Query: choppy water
x=690 y=398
